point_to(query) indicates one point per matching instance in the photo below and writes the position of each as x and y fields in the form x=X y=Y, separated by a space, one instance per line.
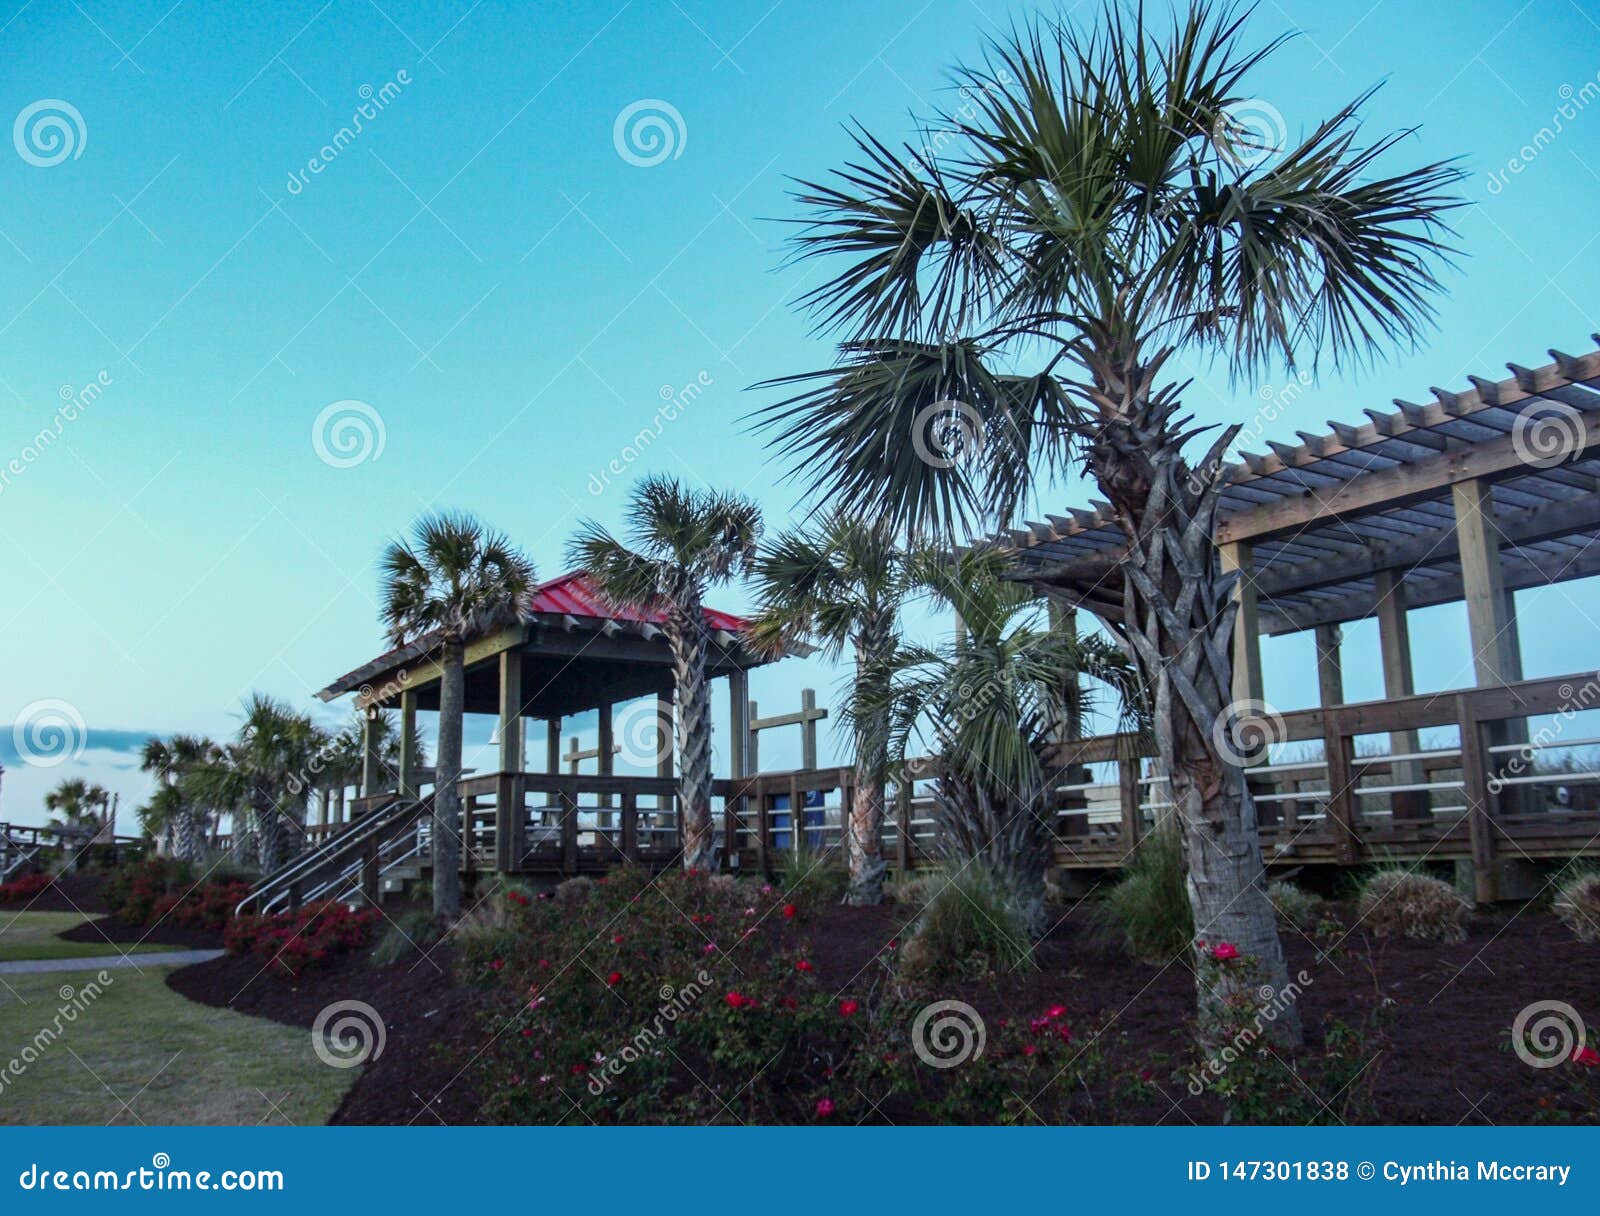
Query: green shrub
x=410 y=932
x=1403 y=903
x=969 y=926
x=1577 y=903
x=1294 y=905
x=819 y=874
x=1149 y=908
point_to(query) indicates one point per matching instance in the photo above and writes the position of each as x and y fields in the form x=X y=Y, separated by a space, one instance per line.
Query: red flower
x=496 y=964
x=617 y=939
x=789 y=913
x=1028 y=1049
x=848 y=1008
x=824 y=1107
x=1223 y=951
x=614 y=979
x=802 y=965
x=1586 y=1056
x=1055 y=1011
x=738 y=1000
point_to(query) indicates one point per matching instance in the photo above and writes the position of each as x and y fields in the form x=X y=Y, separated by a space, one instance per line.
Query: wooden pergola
x=1468 y=497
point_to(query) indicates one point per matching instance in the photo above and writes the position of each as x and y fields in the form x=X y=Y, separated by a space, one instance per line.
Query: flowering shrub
x=692 y=999
x=162 y=890
x=293 y=941
x=24 y=888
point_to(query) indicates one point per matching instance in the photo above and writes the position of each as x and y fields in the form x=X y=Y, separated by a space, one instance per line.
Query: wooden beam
x=509 y=719
x=1392 y=487
x=1330 y=666
x=371 y=759
x=408 y=743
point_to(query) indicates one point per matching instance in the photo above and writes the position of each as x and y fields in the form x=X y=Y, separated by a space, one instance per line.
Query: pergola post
x=408 y=743
x=1490 y=627
x=1394 y=647
x=1330 y=665
x=1491 y=631
x=552 y=744
x=1247 y=682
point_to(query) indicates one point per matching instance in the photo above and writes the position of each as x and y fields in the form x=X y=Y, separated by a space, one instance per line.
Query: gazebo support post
x=507 y=811
x=408 y=744
x=738 y=743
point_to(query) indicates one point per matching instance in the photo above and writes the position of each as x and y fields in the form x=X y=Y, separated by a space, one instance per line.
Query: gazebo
x=572 y=654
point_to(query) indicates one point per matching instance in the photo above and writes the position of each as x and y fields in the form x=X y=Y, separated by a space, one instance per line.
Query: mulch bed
x=68 y=893
x=431 y=1026
x=1444 y=1048
x=114 y=929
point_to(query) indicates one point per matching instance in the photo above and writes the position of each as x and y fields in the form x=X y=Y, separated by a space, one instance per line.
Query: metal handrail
x=361 y=831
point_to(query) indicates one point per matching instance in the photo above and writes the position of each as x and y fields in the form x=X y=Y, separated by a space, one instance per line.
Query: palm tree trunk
x=188 y=836
x=1177 y=628
x=1005 y=831
x=446 y=797
x=865 y=838
x=686 y=634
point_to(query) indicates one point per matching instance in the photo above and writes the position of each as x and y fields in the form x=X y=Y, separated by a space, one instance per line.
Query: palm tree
x=453 y=582
x=263 y=778
x=843 y=584
x=160 y=815
x=183 y=819
x=75 y=803
x=1101 y=204
x=993 y=704
x=683 y=542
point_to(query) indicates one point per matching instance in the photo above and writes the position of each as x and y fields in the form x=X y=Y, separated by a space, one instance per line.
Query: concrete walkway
x=168 y=958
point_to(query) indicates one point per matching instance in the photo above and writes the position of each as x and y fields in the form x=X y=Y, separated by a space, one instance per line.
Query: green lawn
x=31 y=935
x=139 y=1053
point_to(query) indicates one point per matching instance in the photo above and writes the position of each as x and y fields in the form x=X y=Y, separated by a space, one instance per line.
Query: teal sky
x=511 y=297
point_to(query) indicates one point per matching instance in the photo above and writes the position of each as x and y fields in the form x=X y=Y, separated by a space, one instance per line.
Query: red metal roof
x=574 y=595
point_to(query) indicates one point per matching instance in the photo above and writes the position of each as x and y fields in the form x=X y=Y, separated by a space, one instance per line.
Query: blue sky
x=511 y=297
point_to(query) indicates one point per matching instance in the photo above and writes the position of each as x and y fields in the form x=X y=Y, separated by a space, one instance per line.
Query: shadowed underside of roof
x=1325 y=516
x=572 y=625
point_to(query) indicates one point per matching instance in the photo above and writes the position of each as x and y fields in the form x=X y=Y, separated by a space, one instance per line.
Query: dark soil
x=431 y=1027
x=68 y=893
x=1437 y=1015
x=114 y=929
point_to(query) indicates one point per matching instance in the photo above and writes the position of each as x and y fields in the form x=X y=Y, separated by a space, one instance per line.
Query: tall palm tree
x=1101 y=203
x=683 y=541
x=454 y=581
x=843 y=584
x=992 y=703
x=160 y=815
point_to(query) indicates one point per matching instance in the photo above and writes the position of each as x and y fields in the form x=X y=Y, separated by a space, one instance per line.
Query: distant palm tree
x=683 y=541
x=1101 y=201
x=81 y=809
x=843 y=584
x=159 y=818
x=184 y=819
x=993 y=703
x=262 y=779
x=453 y=582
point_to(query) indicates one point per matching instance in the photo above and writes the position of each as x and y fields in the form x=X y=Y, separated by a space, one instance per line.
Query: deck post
x=1394 y=647
x=1247 y=681
x=408 y=743
x=1343 y=813
x=509 y=725
x=552 y=744
x=902 y=811
x=605 y=761
x=738 y=740
x=1128 y=797
x=1480 y=808
x=371 y=760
